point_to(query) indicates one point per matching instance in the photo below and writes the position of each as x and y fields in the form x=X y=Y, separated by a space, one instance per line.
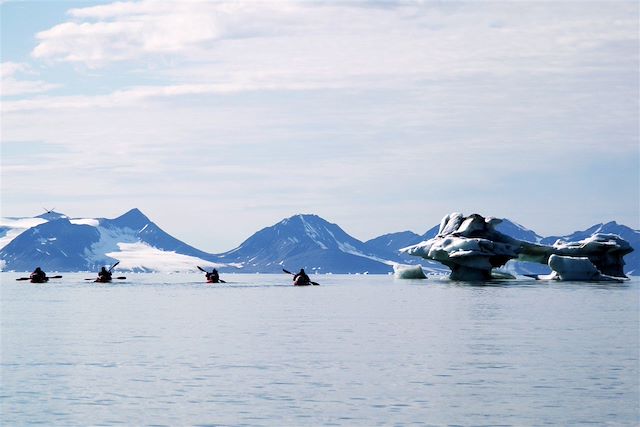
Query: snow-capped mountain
x=393 y=241
x=517 y=231
x=58 y=243
x=306 y=241
x=388 y=246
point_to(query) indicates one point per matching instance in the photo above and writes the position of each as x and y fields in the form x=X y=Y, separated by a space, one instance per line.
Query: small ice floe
x=401 y=271
x=501 y=275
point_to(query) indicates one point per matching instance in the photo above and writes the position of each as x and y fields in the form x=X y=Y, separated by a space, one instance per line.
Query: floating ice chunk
x=501 y=275
x=471 y=247
x=605 y=251
x=576 y=269
x=401 y=271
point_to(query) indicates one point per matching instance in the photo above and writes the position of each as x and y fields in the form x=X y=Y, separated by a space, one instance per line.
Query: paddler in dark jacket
x=301 y=279
x=38 y=275
x=104 y=275
x=213 y=277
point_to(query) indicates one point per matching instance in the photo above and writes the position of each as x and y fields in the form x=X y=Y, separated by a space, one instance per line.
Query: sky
x=217 y=119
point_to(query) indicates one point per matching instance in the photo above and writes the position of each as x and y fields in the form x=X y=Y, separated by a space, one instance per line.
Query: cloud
x=11 y=85
x=239 y=46
x=132 y=30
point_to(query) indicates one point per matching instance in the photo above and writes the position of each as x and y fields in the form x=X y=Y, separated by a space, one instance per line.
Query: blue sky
x=217 y=119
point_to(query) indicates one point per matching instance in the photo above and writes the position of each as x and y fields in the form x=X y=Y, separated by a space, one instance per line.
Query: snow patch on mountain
x=312 y=233
x=10 y=228
x=139 y=256
x=108 y=242
x=348 y=249
x=85 y=221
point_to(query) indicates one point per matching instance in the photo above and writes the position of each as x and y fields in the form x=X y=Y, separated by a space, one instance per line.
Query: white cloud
x=126 y=31
x=11 y=85
x=217 y=48
x=226 y=47
x=336 y=39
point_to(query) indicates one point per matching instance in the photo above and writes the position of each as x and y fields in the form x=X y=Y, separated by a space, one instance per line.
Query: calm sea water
x=355 y=351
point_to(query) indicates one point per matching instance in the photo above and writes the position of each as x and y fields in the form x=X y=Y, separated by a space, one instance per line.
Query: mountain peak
x=302 y=216
x=133 y=213
x=52 y=215
x=133 y=218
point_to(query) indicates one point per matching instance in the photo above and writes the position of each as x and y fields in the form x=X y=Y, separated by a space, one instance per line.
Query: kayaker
x=301 y=279
x=104 y=275
x=213 y=277
x=38 y=276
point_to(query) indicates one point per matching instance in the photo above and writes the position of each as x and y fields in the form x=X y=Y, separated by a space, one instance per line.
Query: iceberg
x=401 y=271
x=575 y=269
x=471 y=247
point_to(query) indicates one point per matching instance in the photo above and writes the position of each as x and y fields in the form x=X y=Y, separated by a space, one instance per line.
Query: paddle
x=109 y=270
x=288 y=272
x=206 y=272
x=29 y=278
x=119 y=278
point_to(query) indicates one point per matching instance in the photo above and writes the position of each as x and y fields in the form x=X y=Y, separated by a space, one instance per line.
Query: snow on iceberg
x=471 y=247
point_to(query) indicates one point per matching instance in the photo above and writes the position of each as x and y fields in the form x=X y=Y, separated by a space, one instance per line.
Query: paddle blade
x=23 y=278
x=315 y=284
x=121 y=278
x=201 y=269
x=113 y=266
x=288 y=272
x=55 y=277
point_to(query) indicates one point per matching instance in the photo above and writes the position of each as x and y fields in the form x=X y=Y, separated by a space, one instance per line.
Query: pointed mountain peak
x=133 y=213
x=52 y=216
x=302 y=217
x=134 y=219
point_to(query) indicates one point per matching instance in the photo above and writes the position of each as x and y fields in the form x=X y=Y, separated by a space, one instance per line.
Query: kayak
x=300 y=282
x=101 y=280
x=213 y=281
x=39 y=280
